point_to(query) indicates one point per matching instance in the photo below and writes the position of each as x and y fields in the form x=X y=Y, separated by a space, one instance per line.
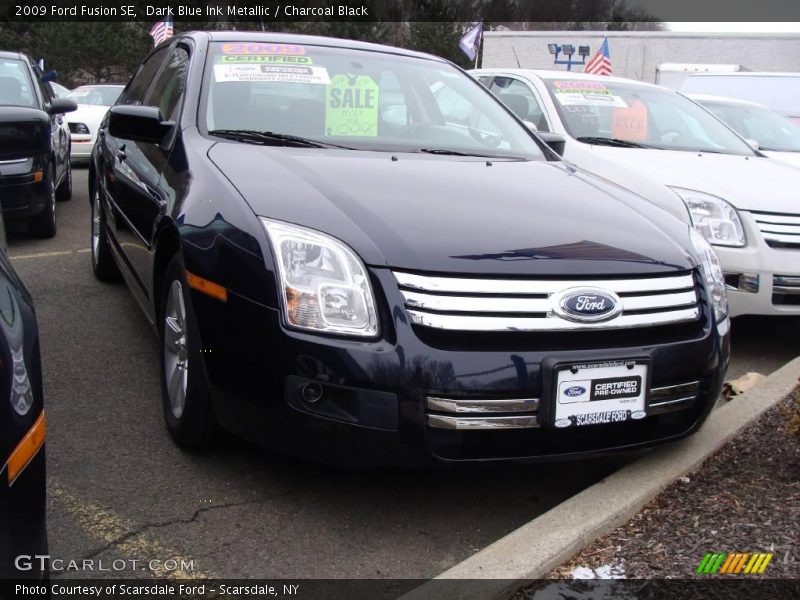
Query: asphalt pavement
x=122 y=495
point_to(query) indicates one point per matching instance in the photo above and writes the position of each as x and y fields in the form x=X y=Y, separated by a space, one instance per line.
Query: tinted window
x=137 y=87
x=16 y=88
x=651 y=116
x=168 y=88
x=520 y=99
x=359 y=99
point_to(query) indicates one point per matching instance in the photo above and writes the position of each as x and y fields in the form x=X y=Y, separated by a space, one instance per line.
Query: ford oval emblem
x=561 y=423
x=575 y=390
x=638 y=414
x=586 y=305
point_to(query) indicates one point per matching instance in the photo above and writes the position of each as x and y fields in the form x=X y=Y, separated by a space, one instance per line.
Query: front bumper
x=762 y=280
x=81 y=147
x=21 y=196
x=376 y=404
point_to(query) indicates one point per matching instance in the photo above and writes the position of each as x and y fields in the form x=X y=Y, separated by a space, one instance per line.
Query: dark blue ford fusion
x=355 y=253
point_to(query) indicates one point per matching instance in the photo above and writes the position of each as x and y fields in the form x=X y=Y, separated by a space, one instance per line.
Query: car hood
x=90 y=114
x=790 y=158
x=458 y=214
x=747 y=182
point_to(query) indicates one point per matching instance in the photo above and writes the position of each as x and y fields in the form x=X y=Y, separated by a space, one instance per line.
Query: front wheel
x=184 y=390
x=103 y=264
x=64 y=191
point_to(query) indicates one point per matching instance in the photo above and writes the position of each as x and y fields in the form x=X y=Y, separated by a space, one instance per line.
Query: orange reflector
x=25 y=451
x=38 y=176
x=207 y=287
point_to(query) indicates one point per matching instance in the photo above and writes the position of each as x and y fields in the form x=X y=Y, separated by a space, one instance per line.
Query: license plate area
x=599 y=393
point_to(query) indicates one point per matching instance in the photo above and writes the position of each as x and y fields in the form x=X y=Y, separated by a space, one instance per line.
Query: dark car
x=352 y=287
x=22 y=431
x=35 y=166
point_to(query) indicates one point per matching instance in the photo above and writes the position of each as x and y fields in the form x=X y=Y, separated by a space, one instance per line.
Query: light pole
x=568 y=50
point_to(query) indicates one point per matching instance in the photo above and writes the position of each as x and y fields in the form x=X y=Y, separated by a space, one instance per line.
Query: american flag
x=600 y=64
x=162 y=30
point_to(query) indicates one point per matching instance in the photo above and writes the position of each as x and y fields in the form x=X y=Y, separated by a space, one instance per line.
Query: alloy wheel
x=176 y=353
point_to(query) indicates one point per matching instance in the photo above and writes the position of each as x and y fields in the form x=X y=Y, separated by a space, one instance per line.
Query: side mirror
x=752 y=143
x=556 y=141
x=24 y=132
x=61 y=105
x=138 y=123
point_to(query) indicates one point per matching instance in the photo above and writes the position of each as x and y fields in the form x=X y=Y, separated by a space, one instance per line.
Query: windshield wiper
x=604 y=141
x=270 y=137
x=446 y=152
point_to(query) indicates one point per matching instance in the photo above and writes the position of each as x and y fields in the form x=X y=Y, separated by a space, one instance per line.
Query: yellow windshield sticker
x=351 y=106
x=585 y=93
x=261 y=48
x=269 y=59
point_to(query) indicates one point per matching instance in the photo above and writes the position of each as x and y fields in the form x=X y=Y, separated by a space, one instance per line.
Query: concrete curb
x=543 y=544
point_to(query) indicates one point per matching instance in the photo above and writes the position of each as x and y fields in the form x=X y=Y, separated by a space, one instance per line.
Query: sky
x=736 y=27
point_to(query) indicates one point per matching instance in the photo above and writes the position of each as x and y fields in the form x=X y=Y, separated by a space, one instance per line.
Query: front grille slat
x=509 y=305
x=779 y=230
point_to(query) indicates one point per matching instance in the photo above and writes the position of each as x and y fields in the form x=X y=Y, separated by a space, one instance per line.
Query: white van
x=778 y=91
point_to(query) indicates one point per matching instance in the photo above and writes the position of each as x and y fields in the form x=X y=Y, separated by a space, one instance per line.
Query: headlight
x=324 y=285
x=21 y=392
x=717 y=220
x=712 y=270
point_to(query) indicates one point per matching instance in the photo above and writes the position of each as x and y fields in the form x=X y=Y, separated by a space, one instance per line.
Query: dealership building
x=654 y=56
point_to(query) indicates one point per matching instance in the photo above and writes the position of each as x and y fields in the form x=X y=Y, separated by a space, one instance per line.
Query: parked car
x=348 y=288
x=93 y=103
x=35 y=166
x=775 y=135
x=668 y=149
x=778 y=91
x=22 y=429
x=59 y=91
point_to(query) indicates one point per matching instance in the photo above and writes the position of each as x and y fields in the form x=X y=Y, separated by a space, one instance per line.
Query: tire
x=64 y=191
x=103 y=264
x=187 y=403
x=43 y=225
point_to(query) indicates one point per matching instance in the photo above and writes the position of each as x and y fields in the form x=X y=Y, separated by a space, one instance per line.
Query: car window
x=16 y=88
x=781 y=93
x=645 y=115
x=359 y=99
x=138 y=85
x=771 y=130
x=520 y=99
x=168 y=88
x=95 y=95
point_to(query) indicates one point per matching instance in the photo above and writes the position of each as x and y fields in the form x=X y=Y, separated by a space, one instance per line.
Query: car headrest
x=517 y=103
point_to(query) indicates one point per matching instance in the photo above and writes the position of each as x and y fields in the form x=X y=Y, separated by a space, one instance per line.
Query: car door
x=140 y=200
x=127 y=178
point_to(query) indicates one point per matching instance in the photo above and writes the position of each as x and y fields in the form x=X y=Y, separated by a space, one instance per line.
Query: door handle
x=121 y=153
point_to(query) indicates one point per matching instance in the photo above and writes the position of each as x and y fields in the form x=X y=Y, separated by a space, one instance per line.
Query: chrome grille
x=779 y=230
x=473 y=414
x=786 y=290
x=483 y=304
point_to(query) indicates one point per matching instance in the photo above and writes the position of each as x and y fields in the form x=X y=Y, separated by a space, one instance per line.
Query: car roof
x=551 y=74
x=312 y=40
x=723 y=100
x=8 y=54
x=746 y=74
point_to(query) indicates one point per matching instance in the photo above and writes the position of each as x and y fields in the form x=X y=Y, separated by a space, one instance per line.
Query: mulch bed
x=744 y=498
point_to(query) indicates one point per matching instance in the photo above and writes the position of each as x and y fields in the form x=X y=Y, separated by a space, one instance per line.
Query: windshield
x=15 y=84
x=642 y=115
x=96 y=95
x=357 y=99
x=772 y=131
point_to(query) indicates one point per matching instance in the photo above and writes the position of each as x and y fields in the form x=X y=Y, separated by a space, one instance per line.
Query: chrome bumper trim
x=477 y=423
x=464 y=406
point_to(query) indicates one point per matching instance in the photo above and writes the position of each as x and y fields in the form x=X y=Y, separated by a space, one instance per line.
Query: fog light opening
x=312 y=393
